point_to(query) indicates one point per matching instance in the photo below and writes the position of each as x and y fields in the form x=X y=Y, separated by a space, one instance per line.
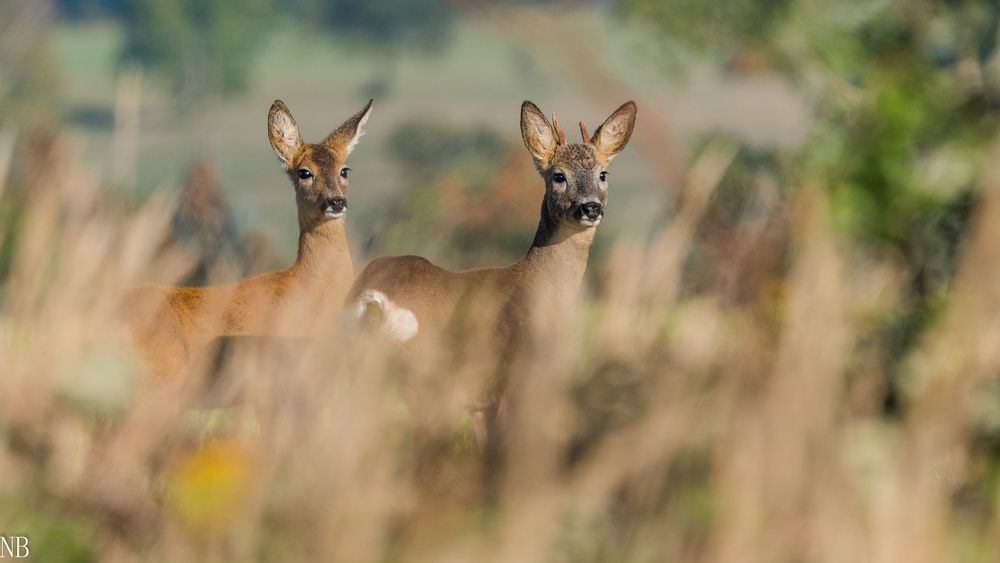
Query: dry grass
x=645 y=426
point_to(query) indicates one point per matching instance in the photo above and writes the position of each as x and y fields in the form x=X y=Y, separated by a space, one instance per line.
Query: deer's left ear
x=283 y=132
x=347 y=135
x=612 y=136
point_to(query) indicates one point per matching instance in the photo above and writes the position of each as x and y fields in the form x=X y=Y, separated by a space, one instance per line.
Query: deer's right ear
x=538 y=135
x=346 y=136
x=283 y=132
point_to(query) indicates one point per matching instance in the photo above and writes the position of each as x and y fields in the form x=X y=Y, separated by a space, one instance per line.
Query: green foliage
x=906 y=143
x=906 y=97
x=200 y=47
x=55 y=534
x=901 y=123
x=901 y=127
x=714 y=25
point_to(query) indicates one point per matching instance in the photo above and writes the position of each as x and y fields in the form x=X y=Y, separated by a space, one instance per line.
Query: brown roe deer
x=171 y=326
x=408 y=297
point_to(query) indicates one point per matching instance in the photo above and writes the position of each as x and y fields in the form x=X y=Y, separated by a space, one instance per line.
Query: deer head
x=318 y=172
x=575 y=174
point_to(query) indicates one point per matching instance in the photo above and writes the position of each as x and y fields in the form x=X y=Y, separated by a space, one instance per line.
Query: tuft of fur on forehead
x=577 y=157
x=321 y=156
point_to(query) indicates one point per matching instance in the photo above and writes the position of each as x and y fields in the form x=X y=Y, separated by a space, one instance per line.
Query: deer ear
x=612 y=136
x=347 y=135
x=283 y=132
x=538 y=135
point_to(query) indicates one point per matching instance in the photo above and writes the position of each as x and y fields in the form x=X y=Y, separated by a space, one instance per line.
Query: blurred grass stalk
x=6 y=156
x=645 y=426
x=125 y=138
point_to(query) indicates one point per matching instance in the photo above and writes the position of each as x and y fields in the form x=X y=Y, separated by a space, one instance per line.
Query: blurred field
x=650 y=426
x=481 y=78
x=787 y=348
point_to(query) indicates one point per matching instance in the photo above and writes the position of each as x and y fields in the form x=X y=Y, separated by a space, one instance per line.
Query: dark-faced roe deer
x=408 y=297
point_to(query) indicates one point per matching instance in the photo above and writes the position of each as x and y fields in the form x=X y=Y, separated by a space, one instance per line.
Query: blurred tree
x=382 y=24
x=200 y=47
x=900 y=87
x=907 y=99
x=381 y=27
x=76 y=10
x=207 y=47
x=714 y=26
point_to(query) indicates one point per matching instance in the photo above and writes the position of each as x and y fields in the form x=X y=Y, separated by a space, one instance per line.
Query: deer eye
x=305 y=174
x=558 y=177
x=344 y=171
x=604 y=176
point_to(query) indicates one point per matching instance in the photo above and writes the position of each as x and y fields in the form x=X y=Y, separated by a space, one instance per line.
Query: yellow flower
x=207 y=487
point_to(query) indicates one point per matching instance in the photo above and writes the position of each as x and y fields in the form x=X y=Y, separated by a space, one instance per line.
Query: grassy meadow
x=743 y=378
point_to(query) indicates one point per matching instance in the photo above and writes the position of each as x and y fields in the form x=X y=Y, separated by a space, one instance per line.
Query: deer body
x=497 y=296
x=551 y=272
x=172 y=325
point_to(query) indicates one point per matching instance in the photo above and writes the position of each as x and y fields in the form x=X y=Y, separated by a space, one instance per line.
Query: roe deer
x=172 y=325
x=408 y=296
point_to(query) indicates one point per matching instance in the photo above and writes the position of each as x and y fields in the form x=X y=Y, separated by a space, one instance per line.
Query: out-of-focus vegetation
x=381 y=25
x=787 y=349
x=906 y=100
x=201 y=47
x=28 y=74
x=465 y=189
x=204 y=48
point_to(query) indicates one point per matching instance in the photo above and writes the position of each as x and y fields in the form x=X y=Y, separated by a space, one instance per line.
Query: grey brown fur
x=501 y=300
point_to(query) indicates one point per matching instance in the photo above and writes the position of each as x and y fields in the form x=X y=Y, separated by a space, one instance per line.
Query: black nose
x=337 y=203
x=592 y=210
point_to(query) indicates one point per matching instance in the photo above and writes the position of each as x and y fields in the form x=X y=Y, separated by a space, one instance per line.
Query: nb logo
x=14 y=547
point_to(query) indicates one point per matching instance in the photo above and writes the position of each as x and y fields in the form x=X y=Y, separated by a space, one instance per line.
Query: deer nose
x=592 y=210
x=337 y=203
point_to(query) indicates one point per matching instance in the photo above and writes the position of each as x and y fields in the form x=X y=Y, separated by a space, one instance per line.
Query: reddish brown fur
x=173 y=325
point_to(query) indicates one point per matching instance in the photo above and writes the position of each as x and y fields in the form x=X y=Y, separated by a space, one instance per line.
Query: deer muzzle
x=334 y=207
x=589 y=214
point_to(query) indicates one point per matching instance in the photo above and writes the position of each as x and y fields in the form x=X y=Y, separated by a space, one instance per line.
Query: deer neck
x=557 y=258
x=324 y=255
x=317 y=281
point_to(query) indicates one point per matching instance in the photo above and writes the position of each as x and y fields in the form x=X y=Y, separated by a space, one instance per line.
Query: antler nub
x=560 y=136
x=583 y=133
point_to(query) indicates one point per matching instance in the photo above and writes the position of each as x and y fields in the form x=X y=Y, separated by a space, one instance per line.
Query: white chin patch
x=398 y=323
x=591 y=222
x=329 y=213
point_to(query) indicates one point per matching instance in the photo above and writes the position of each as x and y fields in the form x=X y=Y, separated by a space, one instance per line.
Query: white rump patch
x=398 y=323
